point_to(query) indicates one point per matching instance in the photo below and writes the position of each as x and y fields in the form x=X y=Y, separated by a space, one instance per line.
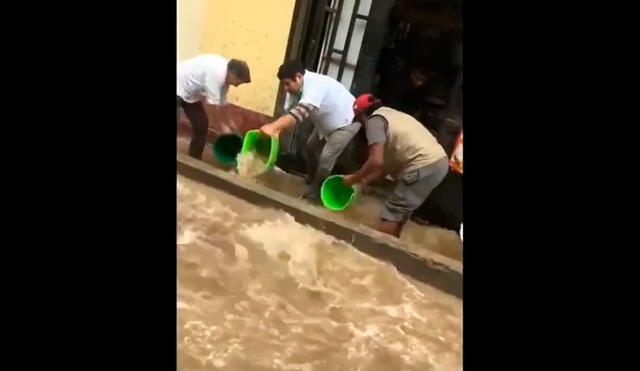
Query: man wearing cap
x=206 y=76
x=329 y=106
x=400 y=146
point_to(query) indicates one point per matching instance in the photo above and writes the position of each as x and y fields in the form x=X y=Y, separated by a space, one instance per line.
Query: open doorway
x=417 y=45
x=419 y=67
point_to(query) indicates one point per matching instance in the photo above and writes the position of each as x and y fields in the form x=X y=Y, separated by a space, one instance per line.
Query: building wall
x=190 y=14
x=254 y=31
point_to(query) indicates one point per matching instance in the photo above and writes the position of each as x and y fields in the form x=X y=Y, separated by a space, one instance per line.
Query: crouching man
x=402 y=147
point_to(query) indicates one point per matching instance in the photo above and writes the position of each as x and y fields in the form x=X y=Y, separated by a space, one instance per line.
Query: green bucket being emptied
x=227 y=147
x=336 y=195
x=263 y=145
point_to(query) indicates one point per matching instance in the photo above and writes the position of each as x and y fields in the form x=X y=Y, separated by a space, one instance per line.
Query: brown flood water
x=259 y=291
x=365 y=210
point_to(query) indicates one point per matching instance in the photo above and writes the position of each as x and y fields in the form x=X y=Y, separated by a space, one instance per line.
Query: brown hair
x=240 y=69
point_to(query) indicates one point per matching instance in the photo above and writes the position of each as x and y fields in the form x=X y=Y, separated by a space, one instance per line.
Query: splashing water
x=250 y=165
x=259 y=291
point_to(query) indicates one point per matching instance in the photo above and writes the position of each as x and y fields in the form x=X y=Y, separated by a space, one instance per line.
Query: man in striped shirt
x=329 y=107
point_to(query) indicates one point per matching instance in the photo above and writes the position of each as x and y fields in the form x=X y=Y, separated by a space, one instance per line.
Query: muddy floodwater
x=365 y=211
x=259 y=291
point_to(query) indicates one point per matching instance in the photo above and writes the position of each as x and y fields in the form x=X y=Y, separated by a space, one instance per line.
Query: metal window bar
x=334 y=31
x=326 y=36
x=347 y=42
x=328 y=49
x=331 y=14
x=315 y=35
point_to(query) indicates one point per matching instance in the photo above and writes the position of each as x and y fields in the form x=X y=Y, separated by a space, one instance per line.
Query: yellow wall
x=190 y=21
x=256 y=31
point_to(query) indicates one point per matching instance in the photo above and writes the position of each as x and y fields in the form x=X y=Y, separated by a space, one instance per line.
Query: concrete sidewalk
x=425 y=266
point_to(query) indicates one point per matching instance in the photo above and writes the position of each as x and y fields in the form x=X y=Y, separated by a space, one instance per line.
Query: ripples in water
x=259 y=291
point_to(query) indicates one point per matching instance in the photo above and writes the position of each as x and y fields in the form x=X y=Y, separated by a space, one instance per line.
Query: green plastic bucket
x=227 y=147
x=335 y=195
x=263 y=145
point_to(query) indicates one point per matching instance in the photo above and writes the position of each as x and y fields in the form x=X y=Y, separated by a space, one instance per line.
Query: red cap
x=364 y=101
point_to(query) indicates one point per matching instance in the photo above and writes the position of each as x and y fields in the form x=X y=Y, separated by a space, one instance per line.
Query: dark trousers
x=199 y=125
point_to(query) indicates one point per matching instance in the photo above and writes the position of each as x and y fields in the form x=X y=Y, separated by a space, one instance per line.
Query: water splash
x=258 y=291
x=251 y=165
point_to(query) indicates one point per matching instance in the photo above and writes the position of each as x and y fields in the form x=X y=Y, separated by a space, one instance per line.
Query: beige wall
x=189 y=31
x=253 y=30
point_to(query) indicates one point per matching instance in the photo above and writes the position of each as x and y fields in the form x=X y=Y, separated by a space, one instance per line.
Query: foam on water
x=251 y=165
x=258 y=291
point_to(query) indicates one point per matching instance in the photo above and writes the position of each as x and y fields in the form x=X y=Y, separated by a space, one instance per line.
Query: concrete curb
x=431 y=268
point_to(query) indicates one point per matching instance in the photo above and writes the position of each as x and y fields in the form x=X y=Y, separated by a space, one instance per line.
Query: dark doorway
x=419 y=69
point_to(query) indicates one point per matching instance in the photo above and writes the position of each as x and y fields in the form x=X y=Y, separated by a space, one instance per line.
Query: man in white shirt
x=329 y=106
x=206 y=76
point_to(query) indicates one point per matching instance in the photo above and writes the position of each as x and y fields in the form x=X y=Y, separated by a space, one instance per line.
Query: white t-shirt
x=203 y=76
x=333 y=100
